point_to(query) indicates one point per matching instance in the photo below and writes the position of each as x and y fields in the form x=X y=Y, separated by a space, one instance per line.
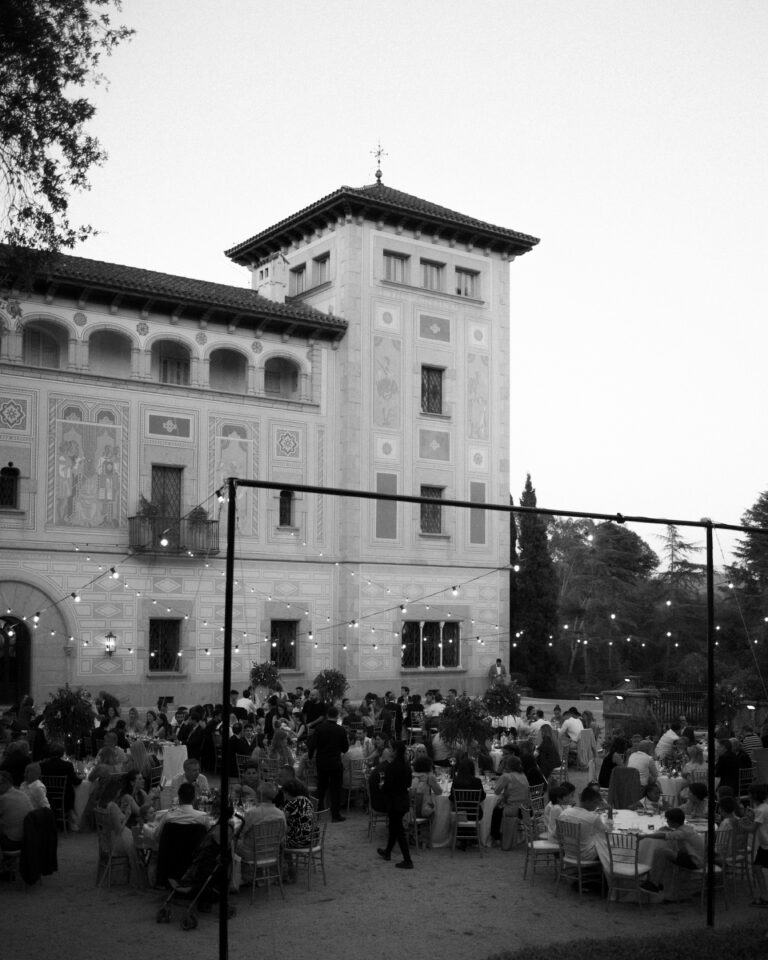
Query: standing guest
x=687 y=730
x=727 y=766
x=614 y=757
x=586 y=747
x=34 y=788
x=280 y=745
x=14 y=806
x=535 y=726
x=586 y=814
x=570 y=730
x=665 y=748
x=192 y=775
x=238 y=747
x=195 y=738
x=327 y=742
x=750 y=740
x=245 y=702
x=397 y=782
x=497 y=673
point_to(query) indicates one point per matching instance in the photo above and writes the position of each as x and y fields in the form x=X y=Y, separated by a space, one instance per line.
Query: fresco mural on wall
x=89 y=451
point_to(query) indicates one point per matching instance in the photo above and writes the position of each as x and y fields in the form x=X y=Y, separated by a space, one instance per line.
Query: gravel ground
x=465 y=906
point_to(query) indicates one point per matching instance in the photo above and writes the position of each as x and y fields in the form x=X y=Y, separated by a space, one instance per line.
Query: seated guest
x=191 y=775
x=153 y=726
x=466 y=779
x=727 y=766
x=548 y=753
x=17 y=756
x=642 y=761
x=143 y=763
x=560 y=797
x=696 y=807
x=423 y=783
x=34 y=787
x=650 y=802
x=134 y=727
x=120 y=808
x=533 y=774
x=110 y=743
x=263 y=811
x=14 y=806
x=183 y=813
x=57 y=766
x=250 y=777
x=299 y=816
x=726 y=809
x=683 y=847
x=591 y=824
x=378 y=798
x=695 y=764
x=101 y=776
x=665 y=748
x=614 y=757
x=441 y=752
x=280 y=744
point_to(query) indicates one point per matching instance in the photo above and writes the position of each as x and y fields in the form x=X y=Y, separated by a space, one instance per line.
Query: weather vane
x=379 y=152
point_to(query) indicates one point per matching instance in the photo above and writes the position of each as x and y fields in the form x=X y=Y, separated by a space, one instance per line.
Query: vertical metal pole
x=710 y=866
x=226 y=682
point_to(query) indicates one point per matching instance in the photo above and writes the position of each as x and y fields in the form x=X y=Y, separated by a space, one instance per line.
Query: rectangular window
x=9 y=487
x=477 y=517
x=386 y=510
x=284 y=638
x=431 y=275
x=467 y=283
x=321 y=269
x=165 y=645
x=174 y=370
x=286 y=508
x=40 y=349
x=298 y=280
x=432 y=513
x=396 y=267
x=431 y=389
x=430 y=643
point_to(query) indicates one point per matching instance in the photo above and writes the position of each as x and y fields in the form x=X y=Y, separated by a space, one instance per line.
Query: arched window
x=281 y=377
x=109 y=354
x=170 y=363
x=9 y=487
x=227 y=370
x=44 y=344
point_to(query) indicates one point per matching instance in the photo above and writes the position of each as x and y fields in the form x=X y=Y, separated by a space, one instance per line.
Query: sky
x=630 y=137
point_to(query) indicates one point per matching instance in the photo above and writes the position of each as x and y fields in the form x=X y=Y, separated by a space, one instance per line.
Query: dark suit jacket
x=327 y=743
x=39 y=846
x=58 y=767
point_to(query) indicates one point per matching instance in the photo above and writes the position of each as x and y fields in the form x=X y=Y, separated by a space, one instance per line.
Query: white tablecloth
x=174 y=755
x=671 y=786
x=442 y=825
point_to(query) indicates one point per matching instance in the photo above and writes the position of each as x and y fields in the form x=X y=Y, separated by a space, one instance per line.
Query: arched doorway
x=14 y=660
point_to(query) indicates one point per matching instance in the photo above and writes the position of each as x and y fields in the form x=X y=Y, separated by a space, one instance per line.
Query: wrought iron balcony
x=173 y=535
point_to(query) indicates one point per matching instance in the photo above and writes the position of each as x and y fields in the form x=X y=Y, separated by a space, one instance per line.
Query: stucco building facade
x=371 y=352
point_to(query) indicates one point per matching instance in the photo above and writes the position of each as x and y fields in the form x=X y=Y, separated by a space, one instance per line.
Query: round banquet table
x=671 y=786
x=442 y=823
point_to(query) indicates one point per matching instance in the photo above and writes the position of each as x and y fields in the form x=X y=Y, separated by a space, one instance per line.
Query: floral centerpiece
x=331 y=685
x=265 y=675
x=502 y=699
x=69 y=717
x=464 y=722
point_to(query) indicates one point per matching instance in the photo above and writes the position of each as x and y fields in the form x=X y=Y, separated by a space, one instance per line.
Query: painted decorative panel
x=434 y=445
x=477 y=459
x=233 y=454
x=163 y=425
x=387 y=381
x=478 y=336
x=14 y=414
x=387 y=317
x=478 y=379
x=387 y=448
x=88 y=463
x=434 y=328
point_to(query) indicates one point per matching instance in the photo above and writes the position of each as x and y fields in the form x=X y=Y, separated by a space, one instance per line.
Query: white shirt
x=571 y=728
x=433 y=709
x=644 y=765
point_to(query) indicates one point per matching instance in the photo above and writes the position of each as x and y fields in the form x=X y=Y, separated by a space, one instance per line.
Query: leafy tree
x=49 y=52
x=681 y=609
x=536 y=588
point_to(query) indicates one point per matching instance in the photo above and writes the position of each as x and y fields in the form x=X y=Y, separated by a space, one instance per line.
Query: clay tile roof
x=115 y=278
x=377 y=200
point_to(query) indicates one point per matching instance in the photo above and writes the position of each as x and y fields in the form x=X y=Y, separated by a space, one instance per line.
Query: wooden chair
x=626 y=872
x=571 y=865
x=746 y=778
x=243 y=761
x=107 y=859
x=355 y=779
x=264 y=854
x=156 y=777
x=419 y=827
x=415 y=727
x=55 y=789
x=270 y=769
x=313 y=856
x=732 y=851
x=466 y=818
x=374 y=816
x=536 y=849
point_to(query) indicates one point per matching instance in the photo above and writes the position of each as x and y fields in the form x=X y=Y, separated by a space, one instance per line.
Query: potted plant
x=464 y=723
x=68 y=717
x=502 y=699
x=331 y=685
x=144 y=526
x=197 y=529
x=266 y=676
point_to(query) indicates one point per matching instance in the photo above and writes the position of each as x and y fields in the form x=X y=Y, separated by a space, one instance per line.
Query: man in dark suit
x=57 y=766
x=238 y=746
x=326 y=744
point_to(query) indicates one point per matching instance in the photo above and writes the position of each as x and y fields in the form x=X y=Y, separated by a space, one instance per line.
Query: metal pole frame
x=233 y=483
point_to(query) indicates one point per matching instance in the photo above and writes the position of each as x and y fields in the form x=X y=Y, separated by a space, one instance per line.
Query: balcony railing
x=195 y=536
